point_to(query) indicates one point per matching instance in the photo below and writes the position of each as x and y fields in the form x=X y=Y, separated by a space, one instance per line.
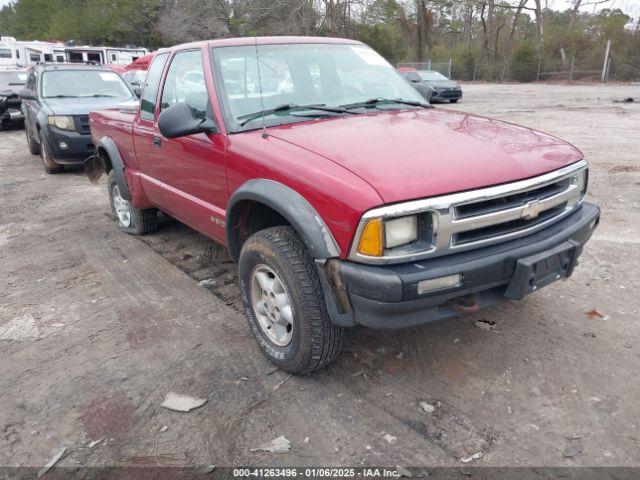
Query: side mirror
x=137 y=91
x=179 y=120
x=26 y=95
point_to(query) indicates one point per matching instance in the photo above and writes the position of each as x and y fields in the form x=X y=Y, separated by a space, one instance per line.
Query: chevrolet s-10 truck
x=344 y=198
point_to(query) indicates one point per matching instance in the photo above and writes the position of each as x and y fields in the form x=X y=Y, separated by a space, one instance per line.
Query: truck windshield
x=83 y=83
x=331 y=76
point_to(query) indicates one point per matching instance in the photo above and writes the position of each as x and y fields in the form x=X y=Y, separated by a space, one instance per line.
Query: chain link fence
x=617 y=68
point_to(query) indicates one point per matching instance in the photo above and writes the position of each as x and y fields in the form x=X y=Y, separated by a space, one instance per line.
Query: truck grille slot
x=510 y=201
x=82 y=124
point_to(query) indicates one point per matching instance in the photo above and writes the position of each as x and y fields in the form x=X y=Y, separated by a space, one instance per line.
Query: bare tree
x=511 y=37
x=539 y=29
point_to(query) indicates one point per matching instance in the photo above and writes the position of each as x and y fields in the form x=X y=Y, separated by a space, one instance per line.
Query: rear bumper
x=80 y=146
x=387 y=297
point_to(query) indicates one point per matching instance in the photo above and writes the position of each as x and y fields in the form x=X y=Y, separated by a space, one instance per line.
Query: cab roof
x=244 y=41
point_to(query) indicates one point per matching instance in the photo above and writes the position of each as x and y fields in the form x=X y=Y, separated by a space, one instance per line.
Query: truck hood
x=81 y=106
x=410 y=154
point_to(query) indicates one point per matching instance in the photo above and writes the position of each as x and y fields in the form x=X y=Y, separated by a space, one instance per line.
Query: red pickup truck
x=344 y=198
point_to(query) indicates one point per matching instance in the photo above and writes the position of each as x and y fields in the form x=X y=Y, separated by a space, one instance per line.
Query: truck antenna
x=264 y=127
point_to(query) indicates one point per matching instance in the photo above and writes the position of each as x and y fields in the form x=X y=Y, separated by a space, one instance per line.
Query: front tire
x=50 y=165
x=455 y=100
x=32 y=143
x=135 y=221
x=283 y=300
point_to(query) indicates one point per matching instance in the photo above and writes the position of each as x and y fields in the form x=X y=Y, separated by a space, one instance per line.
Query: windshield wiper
x=374 y=102
x=61 y=96
x=289 y=107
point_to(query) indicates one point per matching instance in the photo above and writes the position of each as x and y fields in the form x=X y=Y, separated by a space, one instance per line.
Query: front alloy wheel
x=272 y=305
x=122 y=207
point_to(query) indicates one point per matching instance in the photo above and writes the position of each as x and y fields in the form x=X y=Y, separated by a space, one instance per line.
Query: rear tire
x=278 y=257
x=32 y=143
x=135 y=221
x=50 y=165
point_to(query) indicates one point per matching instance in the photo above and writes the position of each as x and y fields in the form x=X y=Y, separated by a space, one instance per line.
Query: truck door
x=145 y=131
x=192 y=168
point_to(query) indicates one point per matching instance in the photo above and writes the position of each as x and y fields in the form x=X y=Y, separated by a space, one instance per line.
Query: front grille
x=510 y=212
x=82 y=124
x=506 y=228
x=450 y=94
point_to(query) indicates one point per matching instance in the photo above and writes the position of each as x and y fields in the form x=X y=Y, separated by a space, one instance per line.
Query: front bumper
x=387 y=296
x=446 y=95
x=80 y=146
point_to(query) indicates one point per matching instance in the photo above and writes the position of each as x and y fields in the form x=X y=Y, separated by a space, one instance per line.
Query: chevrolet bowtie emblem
x=531 y=210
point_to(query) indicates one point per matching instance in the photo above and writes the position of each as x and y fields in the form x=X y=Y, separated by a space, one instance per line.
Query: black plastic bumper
x=387 y=296
x=446 y=96
x=80 y=146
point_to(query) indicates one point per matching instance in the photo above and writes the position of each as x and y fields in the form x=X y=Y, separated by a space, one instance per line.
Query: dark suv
x=11 y=81
x=56 y=105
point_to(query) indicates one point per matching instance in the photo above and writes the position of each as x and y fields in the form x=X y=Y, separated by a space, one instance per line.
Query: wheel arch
x=110 y=157
x=287 y=207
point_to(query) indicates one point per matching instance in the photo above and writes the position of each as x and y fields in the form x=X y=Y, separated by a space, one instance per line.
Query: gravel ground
x=97 y=326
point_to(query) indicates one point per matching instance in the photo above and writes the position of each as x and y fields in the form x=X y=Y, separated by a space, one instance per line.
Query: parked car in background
x=56 y=105
x=136 y=72
x=433 y=86
x=11 y=82
x=345 y=198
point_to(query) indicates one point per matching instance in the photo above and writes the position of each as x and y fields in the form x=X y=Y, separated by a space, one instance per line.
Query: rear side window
x=185 y=83
x=5 y=53
x=150 y=92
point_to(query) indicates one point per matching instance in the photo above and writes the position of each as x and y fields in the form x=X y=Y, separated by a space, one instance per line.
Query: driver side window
x=185 y=83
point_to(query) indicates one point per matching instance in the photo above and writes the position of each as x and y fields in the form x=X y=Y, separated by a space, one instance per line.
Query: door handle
x=157 y=142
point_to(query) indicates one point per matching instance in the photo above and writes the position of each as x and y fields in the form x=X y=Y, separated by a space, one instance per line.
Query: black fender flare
x=109 y=146
x=292 y=206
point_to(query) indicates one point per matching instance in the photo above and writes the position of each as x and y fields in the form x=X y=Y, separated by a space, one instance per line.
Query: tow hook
x=467 y=305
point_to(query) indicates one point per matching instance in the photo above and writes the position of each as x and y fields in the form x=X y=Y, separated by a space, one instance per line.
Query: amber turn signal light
x=371 y=238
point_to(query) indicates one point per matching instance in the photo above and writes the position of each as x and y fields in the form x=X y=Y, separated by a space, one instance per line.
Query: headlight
x=379 y=236
x=581 y=181
x=400 y=231
x=62 y=122
x=584 y=181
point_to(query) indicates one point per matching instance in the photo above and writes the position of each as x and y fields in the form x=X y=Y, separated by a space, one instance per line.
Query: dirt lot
x=97 y=326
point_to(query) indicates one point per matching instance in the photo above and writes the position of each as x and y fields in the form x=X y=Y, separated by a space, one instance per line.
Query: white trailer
x=104 y=55
x=15 y=53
